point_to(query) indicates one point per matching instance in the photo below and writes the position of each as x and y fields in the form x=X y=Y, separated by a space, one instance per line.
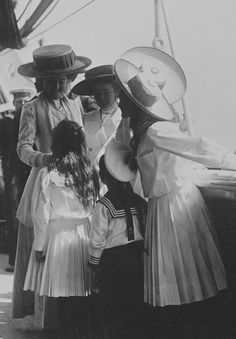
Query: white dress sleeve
x=166 y=135
x=40 y=208
x=98 y=233
x=27 y=137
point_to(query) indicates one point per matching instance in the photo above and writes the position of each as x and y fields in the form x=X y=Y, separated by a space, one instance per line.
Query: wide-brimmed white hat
x=54 y=60
x=117 y=158
x=152 y=79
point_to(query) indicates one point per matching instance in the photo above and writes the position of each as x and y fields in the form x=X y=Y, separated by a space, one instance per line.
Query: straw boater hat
x=104 y=73
x=152 y=79
x=22 y=92
x=117 y=156
x=53 y=60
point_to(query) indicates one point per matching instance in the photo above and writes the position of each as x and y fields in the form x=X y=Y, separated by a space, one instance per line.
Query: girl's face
x=55 y=87
x=105 y=95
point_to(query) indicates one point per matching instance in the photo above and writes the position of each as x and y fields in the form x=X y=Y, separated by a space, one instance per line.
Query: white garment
x=61 y=226
x=183 y=264
x=38 y=118
x=107 y=232
x=99 y=129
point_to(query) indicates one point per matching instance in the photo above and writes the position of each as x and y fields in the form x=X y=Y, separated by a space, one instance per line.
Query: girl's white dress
x=183 y=263
x=61 y=228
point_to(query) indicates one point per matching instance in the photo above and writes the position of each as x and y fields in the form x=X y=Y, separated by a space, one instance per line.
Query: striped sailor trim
x=94 y=260
x=116 y=213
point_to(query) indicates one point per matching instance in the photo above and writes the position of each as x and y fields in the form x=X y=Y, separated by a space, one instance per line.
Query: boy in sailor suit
x=116 y=248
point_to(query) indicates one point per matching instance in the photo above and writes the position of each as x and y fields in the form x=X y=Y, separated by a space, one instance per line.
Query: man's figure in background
x=17 y=172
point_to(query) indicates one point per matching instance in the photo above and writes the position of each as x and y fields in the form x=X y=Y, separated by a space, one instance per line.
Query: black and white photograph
x=117 y=169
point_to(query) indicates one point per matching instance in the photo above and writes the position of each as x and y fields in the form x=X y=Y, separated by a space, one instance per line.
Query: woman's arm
x=167 y=136
x=98 y=234
x=40 y=209
x=27 y=138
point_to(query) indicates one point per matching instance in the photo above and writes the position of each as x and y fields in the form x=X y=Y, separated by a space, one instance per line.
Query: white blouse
x=53 y=200
x=164 y=153
x=99 y=129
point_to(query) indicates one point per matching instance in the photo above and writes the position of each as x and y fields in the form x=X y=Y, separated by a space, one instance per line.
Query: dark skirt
x=121 y=286
x=22 y=301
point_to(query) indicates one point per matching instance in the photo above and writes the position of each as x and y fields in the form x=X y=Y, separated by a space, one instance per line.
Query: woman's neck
x=111 y=109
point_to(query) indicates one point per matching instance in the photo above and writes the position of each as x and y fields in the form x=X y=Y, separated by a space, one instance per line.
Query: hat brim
x=80 y=65
x=161 y=109
x=116 y=161
x=85 y=87
x=175 y=85
x=22 y=92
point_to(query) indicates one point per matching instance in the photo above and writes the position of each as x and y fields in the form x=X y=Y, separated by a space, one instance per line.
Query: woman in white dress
x=105 y=121
x=53 y=66
x=63 y=197
x=183 y=264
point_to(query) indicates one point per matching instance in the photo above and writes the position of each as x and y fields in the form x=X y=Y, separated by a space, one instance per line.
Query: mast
x=158 y=42
x=35 y=16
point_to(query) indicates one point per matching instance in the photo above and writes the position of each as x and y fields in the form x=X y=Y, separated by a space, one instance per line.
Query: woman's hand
x=39 y=256
x=47 y=158
x=43 y=160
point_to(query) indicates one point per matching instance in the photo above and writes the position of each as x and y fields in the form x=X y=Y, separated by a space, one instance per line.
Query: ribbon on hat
x=60 y=62
x=146 y=85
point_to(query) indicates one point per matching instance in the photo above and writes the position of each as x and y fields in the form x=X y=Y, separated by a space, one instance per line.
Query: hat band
x=21 y=94
x=139 y=92
x=54 y=63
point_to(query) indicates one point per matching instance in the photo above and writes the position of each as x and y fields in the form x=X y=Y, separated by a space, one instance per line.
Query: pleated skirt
x=183 y=263
x=64 y=272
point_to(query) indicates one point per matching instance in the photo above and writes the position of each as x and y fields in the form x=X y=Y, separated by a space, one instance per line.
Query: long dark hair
x=140 y=120
x=70 y=160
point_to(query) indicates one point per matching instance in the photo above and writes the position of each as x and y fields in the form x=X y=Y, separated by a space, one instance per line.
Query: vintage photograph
x=117 y=169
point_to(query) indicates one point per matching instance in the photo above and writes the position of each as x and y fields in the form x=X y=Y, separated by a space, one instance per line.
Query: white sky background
x=203 y=34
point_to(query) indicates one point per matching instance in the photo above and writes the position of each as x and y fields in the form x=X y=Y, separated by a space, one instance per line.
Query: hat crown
x=51 y=51
x=100 y=71
x=146 y=91
x=54 y=60
x=53 y=57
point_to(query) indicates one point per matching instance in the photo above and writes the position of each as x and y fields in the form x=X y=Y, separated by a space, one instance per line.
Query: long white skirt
x=184 y=264
x=64 y=272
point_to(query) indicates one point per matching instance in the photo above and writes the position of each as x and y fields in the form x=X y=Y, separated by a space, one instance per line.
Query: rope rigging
x=24 y=10
x=40 y=22
x=62 y=20
x=159 y=44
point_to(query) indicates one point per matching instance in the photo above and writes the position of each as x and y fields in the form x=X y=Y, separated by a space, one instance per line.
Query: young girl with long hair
x=64 y=195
